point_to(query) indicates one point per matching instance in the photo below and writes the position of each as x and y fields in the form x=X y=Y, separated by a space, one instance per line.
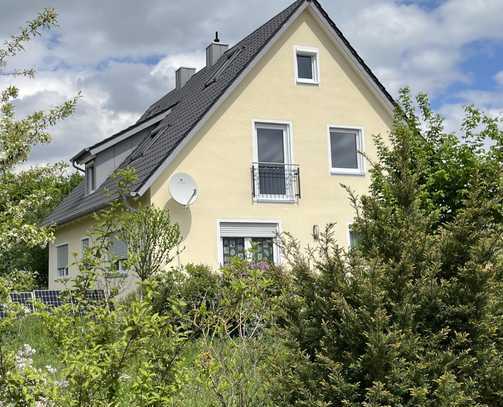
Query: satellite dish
x=183 y=189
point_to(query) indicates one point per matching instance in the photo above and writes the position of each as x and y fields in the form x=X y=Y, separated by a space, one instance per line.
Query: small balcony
x=275 y=182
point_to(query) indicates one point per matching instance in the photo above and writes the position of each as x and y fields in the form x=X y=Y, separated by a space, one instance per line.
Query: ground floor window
x=62 y=260
x=233 y=247
x=262 y=249
x=119 y=252
x=354 y=238
x=248 y=240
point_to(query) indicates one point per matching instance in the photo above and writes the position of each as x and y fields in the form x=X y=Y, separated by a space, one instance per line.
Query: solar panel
x=50 y=298
x=23 y=298
x=95 y=295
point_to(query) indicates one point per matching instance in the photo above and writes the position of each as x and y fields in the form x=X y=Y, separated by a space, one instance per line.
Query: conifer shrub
x=414 y=315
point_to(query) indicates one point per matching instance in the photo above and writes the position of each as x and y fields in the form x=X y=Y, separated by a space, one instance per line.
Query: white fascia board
x=151 y=179
x=355 y=64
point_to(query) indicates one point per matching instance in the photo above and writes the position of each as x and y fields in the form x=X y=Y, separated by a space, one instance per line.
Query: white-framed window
x=307 y=65
x=353 y=237
x=85 y=242
x=119 y=254
x=248 y=240
x=275 y=178
x=62 y=260
x=90 y=178
x=345 y=148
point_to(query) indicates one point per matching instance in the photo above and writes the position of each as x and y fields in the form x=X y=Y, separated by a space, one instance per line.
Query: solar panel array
x=50 y=298
x=23 y=298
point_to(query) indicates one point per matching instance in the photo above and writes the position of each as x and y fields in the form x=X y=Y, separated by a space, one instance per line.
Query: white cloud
x=499 y=78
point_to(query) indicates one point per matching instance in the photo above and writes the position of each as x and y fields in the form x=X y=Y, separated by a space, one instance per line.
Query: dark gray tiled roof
x=191 y=103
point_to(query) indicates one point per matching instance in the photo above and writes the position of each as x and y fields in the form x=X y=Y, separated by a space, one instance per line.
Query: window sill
x=307 y=82
x=260 y=199
x=358 y=173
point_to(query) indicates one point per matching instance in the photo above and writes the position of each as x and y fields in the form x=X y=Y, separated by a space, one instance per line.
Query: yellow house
x=267 y=131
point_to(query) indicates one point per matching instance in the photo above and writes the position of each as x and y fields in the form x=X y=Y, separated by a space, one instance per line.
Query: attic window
x=230 y=58
x=146 y=144
x=90 y=178
x=307 y=67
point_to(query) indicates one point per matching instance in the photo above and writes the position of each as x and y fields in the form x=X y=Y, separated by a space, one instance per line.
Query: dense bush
x=414 y=315
x=198 y=287
x=194 y=286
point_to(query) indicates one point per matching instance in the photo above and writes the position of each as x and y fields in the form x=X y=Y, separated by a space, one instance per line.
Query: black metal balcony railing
x=275 y=182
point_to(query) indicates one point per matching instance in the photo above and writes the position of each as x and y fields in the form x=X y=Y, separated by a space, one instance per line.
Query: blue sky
x=122 y=54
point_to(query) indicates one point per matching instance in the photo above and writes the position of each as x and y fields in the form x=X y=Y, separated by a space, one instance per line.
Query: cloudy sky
x=121 y=54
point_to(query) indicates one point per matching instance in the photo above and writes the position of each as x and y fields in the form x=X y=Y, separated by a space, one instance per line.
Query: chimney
x=215 y=50
x=183 y=75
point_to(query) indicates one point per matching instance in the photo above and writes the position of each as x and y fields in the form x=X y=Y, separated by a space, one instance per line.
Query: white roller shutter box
x=245 y=229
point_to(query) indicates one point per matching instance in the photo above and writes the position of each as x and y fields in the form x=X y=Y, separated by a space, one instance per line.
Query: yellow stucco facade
x=220 y=155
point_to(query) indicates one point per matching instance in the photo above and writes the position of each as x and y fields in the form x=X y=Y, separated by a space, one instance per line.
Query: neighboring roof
x=190 y=105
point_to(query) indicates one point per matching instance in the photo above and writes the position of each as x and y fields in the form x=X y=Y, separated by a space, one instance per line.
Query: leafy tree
x=52 y=184
x=19 y=223
x=152 y=240
x=414 y=315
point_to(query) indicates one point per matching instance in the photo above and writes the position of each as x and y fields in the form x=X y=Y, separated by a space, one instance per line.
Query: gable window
x=90 y=178
x=248 y=240
x=62 y=260
x=345 y=147
x=307 y=69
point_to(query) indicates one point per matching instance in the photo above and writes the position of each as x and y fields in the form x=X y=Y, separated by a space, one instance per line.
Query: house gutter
x=74 y=165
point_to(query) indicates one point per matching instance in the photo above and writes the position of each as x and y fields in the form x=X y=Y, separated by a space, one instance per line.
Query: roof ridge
x=294 y=5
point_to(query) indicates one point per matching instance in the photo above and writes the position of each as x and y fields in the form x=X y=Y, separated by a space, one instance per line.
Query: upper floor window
x=62 y=260
x=274 y=177
x=345 y=151
x=307 y=66
x=90 y=178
